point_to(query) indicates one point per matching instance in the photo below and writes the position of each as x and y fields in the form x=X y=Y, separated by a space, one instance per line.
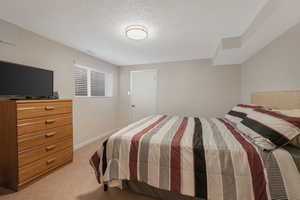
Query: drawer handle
x=51 y=161
x=50 y=121
x=50 y=134
x=49 y=108
x=51 y=147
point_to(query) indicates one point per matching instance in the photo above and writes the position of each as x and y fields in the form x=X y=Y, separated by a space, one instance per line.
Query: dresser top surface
x=39 y=101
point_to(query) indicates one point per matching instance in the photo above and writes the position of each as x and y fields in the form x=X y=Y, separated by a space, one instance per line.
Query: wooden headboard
x=284 y=100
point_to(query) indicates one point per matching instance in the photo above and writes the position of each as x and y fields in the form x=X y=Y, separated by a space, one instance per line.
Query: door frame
x=130 y=91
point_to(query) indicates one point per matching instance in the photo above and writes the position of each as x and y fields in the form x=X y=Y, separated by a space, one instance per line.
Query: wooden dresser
x=36 y=137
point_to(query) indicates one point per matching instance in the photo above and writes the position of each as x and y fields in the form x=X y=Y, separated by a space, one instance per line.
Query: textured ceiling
x=178 y=29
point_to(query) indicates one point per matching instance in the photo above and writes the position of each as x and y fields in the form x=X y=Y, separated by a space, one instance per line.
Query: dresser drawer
x=59 y=158
x=31 y=171
x=41 y=123
x=32 y=110
x=34 y=170
x=29 y=156
x=31 y=140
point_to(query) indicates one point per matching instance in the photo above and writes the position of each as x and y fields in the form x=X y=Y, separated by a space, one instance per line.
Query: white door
x=143 y=86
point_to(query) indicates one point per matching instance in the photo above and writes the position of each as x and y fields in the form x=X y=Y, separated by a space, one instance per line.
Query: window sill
x=92 y=97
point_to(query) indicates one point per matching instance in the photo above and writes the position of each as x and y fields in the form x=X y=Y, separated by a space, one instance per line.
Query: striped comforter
x=203 y=158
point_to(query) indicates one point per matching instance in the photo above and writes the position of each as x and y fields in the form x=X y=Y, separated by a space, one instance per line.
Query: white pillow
x=292 y=113
x=239 y=112
x=270 y=129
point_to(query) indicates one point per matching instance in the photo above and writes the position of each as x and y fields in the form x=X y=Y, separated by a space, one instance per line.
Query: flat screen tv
x=23 y=81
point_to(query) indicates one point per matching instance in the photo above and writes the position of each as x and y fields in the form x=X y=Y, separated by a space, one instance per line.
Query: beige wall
x=276 y=67
x=193 y=88
x=92 y=116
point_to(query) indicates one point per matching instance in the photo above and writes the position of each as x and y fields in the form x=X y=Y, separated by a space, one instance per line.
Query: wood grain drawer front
x=36 y=169
x=37 y=124
x=31 y=171
x=30 y=156
x=31 y=110
x=59 y=158
x=32 y=140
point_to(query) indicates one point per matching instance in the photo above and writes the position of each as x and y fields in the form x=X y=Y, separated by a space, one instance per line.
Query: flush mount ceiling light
x=136 y=32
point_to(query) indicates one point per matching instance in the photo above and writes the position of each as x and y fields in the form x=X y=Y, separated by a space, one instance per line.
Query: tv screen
x=21 y=80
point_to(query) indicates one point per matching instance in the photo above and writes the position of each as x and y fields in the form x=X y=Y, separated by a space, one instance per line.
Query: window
x=81 y=82
x=97 y=84
x=92 y=83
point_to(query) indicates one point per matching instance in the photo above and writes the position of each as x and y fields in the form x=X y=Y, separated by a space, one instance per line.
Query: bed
x=177 y=157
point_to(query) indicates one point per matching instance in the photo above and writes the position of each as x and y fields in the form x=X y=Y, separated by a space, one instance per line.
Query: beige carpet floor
x=75 y=181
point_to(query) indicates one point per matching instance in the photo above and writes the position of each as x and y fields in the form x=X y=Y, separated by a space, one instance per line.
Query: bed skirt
x=147 y=190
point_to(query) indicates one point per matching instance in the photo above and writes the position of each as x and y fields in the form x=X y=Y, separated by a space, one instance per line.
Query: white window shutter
x=97 y=83
x=81 y=81
x=92 y=83
x=109 y=85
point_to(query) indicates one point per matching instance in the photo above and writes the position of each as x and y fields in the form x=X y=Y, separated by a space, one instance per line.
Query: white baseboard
x=100 y=137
